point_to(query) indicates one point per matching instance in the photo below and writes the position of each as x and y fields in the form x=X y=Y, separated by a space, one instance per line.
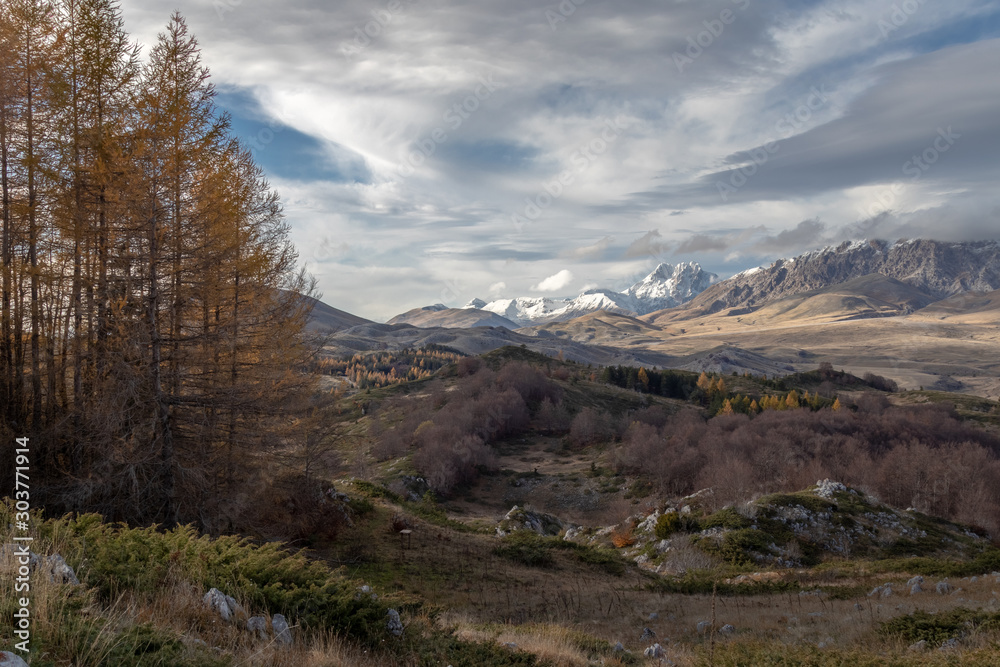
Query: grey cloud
x=649 y=245
x=592 y=252
x=807 y=234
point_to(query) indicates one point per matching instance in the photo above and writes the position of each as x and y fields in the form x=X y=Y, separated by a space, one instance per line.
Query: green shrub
x=675 y=522
x=527 y=548
x=727 y=518
x=938 y=628
x=609 y=561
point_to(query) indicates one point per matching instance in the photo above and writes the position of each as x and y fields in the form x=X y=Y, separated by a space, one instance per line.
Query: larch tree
x=150 y=334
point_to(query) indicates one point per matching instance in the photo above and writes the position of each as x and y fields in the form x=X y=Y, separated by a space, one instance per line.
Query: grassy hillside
x=555 y=513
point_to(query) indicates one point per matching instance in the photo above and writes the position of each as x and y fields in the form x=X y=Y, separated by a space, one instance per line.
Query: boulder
x=918 y=646
x=282 y=633
x=915 y=580
x=703 y=627
x=647 y=634
x=226 y=607
x=394 y=625
x=8 y=659
x=654 y=651
x=883 y=591
x=943 y=588
x=916 y=588
x=59 y=571
x=257 y=626
x=727 y=630
x=618 y=648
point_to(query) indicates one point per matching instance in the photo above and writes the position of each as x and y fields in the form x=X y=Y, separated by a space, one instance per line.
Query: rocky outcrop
x=523 y=519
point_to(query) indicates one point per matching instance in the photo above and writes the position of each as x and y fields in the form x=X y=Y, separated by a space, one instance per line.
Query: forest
x=921 y=456
x=151 y=309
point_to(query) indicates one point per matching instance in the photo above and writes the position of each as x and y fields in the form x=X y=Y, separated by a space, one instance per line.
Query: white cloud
x=555 y=282
x=497 y=289
x=555 y=91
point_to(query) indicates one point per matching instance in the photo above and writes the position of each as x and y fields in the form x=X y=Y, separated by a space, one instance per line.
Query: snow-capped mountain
x=670 y=286
x=667 y=286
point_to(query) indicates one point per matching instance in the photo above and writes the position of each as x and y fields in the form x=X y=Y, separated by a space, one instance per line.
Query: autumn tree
x=152 y=314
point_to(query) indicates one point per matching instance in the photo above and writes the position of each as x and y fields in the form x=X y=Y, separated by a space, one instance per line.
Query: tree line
x=150 y=299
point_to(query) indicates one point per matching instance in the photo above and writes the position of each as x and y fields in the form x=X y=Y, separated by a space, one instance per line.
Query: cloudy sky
x=439 y=150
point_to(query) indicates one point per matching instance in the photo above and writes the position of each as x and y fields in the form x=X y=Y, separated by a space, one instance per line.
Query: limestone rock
x=647 y=634
x=654 y=651
x=915 y=580
x=826 y=488
x=394 y=624
x=522 y=519
x=918 y=646
x=8 y=659
x=943 y=588
x=282 y=633
x=225 y=606
x=59 y=571
x=257 y=625
x=727 y=629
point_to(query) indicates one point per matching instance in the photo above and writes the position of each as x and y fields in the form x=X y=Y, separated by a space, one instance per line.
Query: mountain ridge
x=939 y=268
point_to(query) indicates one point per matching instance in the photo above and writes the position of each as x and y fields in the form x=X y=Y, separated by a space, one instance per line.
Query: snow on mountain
x=667 y=286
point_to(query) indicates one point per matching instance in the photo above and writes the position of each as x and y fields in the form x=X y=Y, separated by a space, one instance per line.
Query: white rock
x=654 y=651
x=225 y=606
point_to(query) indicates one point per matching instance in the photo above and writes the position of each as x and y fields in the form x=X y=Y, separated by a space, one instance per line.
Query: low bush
x=938 y=628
